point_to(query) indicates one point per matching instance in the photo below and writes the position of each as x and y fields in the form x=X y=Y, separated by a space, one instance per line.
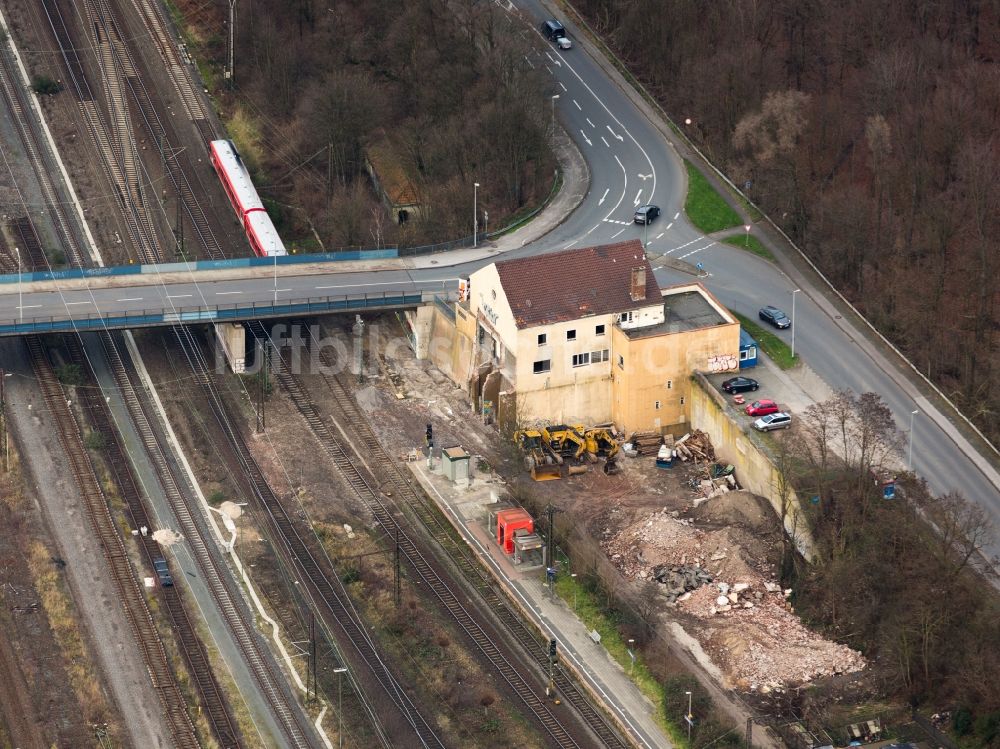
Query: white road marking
x=637 y=196
x=278 y=291
x=618 y=232
x=178 y=296
x=604 y=196
x=529 y=62
x=70 y=303
x=700 y=249
x=615 y=134
x=374 y=283
x=130 y=299
x=661 y=233
x=28 y=306
x=563 y=87
x=644 y=177
x=668 y=226
x=577 y=105
x=550 y=70
x=586 y=138
x=592 y=228
x=590 y=123
x=605 y=142
x=686 y=244
x=224 y=293
x=571 y=244
x=677 y=215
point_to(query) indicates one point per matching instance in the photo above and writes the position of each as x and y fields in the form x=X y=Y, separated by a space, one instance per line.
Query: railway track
x=354 y=421
x=327 y=593
x=427 y=573
x=211 y=698
x=131 y=596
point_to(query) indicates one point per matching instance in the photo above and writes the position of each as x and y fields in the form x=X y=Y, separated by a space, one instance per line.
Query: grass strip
x=705 y=207
x=770 y=344
x=750 y=243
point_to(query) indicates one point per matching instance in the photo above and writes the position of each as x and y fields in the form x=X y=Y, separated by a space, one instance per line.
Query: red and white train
x=236 y=179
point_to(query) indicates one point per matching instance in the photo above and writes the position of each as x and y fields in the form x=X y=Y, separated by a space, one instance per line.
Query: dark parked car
x=644 y=214
x=779 y=420
x=163 y=572
x=775 y=316
x=739 y=385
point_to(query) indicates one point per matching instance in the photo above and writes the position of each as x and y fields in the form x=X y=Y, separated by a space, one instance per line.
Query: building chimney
x=638 y=284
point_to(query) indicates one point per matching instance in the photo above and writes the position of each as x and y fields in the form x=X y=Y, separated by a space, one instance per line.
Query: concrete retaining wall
x=754 y=460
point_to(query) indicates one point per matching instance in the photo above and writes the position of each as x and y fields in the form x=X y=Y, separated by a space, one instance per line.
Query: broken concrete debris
x=679 y=579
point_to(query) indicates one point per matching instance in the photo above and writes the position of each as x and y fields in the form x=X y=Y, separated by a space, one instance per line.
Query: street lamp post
x=475 y=213
x=909 y=451
x=340 y=706
x=793 y=319
x=573 y=575
x=631 y=654
x=689 y=717
x=20 y=296
x=554 y=97
x=747 y=227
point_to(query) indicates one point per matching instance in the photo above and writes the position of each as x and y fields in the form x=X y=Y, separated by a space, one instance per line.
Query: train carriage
x=246 y=202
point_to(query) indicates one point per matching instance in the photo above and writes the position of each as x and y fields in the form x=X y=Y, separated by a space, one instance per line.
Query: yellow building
x=587 y=336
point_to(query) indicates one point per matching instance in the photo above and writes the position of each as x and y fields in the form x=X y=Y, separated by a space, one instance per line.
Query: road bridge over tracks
x=136 y=296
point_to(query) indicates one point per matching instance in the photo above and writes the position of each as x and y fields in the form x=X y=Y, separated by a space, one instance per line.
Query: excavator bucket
x=611 y=467
x=546 y=472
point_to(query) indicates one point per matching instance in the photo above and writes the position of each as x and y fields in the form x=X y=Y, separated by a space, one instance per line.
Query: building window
x=599 y=330
x=682 y=400
x=543 y=338
x=570 y=335
x=621 y=362
x=596 y=357
x=670 y=384
x=656 y=405
x=626 y=317
x=580 y=360
x=544 y=365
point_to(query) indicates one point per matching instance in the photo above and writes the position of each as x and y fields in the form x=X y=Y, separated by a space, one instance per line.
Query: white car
x=779 y=420
x=564 y=42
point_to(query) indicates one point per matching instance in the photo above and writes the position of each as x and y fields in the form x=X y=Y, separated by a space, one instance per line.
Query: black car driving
x=775 y=316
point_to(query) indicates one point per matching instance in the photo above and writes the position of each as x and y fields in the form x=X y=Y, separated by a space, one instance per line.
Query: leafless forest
x=442 y=85
x=868 y=130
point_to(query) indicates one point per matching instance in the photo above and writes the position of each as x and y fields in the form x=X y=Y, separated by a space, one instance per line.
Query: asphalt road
x=630 y=163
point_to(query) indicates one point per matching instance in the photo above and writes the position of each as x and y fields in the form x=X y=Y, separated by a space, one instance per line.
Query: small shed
x=455 y=463
x=509 y=522
x=748 y=350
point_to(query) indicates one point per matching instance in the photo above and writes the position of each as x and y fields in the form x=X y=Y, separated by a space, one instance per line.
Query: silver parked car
x=767 y=423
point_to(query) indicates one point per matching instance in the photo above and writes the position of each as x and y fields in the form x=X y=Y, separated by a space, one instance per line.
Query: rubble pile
x=769 y=646
x=678 y=579
x=749 y=628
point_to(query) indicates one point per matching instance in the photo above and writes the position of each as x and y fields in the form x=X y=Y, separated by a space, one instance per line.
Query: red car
x=762 y=408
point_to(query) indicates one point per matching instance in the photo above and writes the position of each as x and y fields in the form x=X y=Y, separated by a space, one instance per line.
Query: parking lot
x=794 y=390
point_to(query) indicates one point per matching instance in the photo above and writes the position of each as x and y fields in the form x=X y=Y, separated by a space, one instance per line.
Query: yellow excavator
x=540 y=460
x=566 y=441
x=601 y=443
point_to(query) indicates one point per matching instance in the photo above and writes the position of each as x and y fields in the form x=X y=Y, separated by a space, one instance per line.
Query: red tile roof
x=568 y=285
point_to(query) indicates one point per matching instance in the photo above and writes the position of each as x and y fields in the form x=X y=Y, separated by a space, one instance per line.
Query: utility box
x=508 y=522
x=455 y=464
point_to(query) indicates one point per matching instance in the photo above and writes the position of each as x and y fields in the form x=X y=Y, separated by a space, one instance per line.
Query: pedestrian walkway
x=467 y=508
